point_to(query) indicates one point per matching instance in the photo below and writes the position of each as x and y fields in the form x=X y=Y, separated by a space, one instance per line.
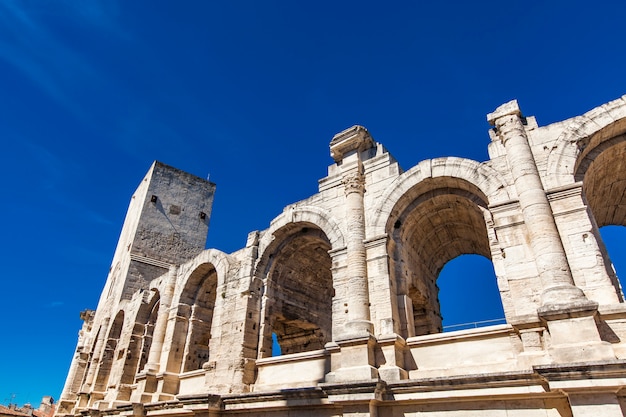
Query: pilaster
x=96 y=357
x=545 y=241
x=160 y=327
x=148 y=379
x=565 y=308
x=587 y=256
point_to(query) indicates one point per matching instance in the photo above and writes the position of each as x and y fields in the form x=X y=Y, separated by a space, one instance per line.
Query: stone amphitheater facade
x=346 y=282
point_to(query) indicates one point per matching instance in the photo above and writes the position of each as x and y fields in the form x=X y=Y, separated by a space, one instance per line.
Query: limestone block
x=596 y=404
x=344 y=277
x=296 y=370
x=452 y=353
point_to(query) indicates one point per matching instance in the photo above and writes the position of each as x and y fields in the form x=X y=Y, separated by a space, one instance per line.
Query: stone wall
x=346 y=282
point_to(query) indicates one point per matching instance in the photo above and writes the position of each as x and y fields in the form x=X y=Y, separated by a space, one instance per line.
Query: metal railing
x=474 y=324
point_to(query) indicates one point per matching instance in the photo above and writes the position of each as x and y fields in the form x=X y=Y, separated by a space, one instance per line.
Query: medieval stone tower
x=346 y=282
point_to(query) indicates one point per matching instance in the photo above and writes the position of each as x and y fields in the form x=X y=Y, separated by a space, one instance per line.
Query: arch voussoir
x=481 y=176
x=597 y=125
x=306 y=214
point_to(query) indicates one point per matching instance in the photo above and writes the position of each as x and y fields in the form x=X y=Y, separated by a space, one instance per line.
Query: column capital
x=508 y=121
x=507 y=109
x=354 y=182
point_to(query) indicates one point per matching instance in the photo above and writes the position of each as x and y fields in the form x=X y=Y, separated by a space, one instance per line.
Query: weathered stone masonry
x=346 y=281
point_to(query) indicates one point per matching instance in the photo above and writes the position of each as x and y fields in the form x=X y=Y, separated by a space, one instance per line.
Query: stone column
x=358 y=304
x=178 y=325
x=347 y=150
x=148 y=384
x=191 y=328
x=158 y=336
x=545 y=241
x=570 y=316
x=353 y=355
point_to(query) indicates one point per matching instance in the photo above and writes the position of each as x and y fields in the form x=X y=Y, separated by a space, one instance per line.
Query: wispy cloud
x=34 y=41
x=27 y=44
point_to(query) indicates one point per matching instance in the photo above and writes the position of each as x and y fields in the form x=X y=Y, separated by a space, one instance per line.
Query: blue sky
x=250 y=93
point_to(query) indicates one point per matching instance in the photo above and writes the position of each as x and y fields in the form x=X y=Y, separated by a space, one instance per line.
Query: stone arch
x=316 y=216
x=602 y=171
x=195 y=303
x=144 y=328
x=199 y=294
x=434 y=221
x=467 y=171
x=592 y=151
x=106 y=361
x=93 y=356
x=584 y=138
x=294 y=268
x=220 y=261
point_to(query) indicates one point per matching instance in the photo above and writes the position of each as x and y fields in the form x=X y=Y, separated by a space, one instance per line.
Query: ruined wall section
x=382 y=235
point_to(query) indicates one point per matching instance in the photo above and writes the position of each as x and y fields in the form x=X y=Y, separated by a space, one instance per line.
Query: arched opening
x=197 y=305
x=102 y=378
x=147 y=315
x=90 y=362
x=133 y=354
x=614 y=238
x=602 y=168
x=298 y=303
x=438 y=220
x=275 y=346
x=468 y=294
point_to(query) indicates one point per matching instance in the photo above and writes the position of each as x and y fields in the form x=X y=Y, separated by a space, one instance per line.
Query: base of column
x=574 y=333
x=93 y=398
x=82 y=401
x=353 y=373
x=355 y=360
x=564 y=297
x=393 y=348
x=146 y=385
x=392 y=373
x=355 y=329
x=151 y=368
x=167 y=386
x=573 y=352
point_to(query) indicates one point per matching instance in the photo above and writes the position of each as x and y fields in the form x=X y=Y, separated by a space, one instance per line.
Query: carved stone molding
x=354 y=182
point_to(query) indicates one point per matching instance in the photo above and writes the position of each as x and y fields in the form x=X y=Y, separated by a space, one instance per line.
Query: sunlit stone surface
x=346 y=282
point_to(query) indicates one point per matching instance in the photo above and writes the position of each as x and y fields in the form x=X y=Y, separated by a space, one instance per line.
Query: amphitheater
x=345 y=282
